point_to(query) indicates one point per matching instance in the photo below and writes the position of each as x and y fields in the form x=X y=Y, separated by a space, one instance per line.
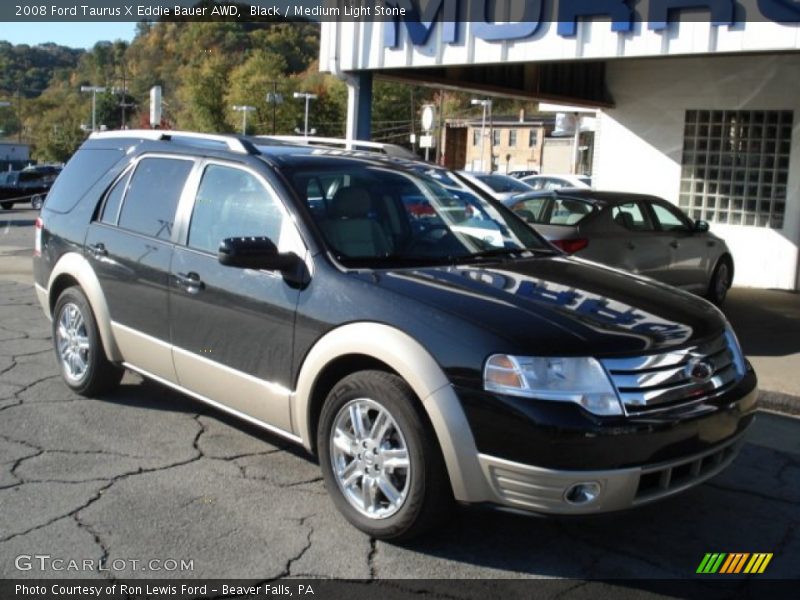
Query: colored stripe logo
x=734 y=563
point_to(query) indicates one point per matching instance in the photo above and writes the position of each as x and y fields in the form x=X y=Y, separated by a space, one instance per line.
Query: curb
x=779 y=402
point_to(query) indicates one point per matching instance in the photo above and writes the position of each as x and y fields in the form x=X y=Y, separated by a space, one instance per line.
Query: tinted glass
x=531 y=210
x=113 y=200
x=668 y=219
x=153 y=195
x=233 y=203
x=377 y=216
x=83 y=170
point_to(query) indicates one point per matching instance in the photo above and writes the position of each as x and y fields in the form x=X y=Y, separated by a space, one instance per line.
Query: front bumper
x=526 y=487
x=500 y=454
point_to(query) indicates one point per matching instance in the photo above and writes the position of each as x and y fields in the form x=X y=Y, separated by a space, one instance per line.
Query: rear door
x=689 y=251
x=631 y=242
x=130 y=248
x=232 y=328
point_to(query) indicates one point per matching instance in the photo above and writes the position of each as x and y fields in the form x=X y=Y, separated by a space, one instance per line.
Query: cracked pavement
x=146 y=473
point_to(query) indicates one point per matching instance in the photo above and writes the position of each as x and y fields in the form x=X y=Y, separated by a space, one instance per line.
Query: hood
x=560 y=306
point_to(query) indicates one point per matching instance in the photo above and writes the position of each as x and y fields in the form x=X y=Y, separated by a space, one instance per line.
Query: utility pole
x=442 y=135
x=124 y=91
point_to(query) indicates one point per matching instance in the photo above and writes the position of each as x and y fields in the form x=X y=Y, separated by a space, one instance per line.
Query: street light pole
x=94 y=89
x=308 y=97
x=244 y=109
x=486 y=103
x=274 y=98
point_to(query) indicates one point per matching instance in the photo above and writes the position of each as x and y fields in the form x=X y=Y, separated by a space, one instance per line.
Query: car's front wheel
x=79 y=349
x=380 y=459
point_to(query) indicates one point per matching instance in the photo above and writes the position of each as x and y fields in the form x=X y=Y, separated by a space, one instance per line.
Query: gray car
x=642 y=234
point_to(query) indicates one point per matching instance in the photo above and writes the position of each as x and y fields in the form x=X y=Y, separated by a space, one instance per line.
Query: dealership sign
x=421 y=16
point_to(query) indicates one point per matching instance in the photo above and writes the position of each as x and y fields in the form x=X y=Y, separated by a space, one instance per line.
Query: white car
x=556 y=182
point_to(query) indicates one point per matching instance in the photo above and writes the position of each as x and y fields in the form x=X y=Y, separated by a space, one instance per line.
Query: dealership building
x=696 y=102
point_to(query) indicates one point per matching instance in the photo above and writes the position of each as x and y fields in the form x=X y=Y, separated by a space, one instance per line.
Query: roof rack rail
x=234 y=143
x=348 y=144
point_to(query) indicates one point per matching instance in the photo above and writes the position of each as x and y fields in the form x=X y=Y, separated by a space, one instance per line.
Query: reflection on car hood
x=560 y=305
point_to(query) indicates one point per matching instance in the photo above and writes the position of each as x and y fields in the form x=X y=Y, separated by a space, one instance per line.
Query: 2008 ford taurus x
x=425 y=343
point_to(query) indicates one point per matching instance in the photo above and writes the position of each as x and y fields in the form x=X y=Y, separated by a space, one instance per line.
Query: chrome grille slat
x=660 y=381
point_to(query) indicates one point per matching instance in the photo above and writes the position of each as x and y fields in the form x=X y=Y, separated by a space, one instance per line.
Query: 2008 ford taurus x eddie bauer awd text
x=423 y=341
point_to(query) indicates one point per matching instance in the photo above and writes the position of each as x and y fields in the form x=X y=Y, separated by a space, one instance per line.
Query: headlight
x=579 y=380
x=736 y=350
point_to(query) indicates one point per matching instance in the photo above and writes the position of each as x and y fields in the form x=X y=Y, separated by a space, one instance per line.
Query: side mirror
x=255 y=253
x=701 y=226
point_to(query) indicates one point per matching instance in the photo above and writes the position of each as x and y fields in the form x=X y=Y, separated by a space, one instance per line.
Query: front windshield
x=503 y=183
x=373 y=215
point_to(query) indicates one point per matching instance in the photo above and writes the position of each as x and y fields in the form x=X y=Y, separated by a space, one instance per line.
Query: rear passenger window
x=153 y=194
x=631 y=217
x=113 y=200
x=83 y=170
x=232 y=203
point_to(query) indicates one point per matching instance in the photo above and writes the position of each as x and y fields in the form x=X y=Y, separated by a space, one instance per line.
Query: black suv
x=423 y=341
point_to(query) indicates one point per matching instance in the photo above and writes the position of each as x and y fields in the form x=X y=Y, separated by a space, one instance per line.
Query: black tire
x=720 y=282
x=37 y=201
x=100 y=375
x=428 y=495
x=7 y=205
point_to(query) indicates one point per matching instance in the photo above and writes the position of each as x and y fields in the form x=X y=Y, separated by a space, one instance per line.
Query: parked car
x=642 y=234
x=555 y=182
x=294 y=287
x=520 y=174
x=28 y=185
x=498 y=186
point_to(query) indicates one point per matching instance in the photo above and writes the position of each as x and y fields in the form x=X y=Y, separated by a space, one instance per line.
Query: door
x=130 y=248
x=689 y=251
x=632 y=243
x=232 y=328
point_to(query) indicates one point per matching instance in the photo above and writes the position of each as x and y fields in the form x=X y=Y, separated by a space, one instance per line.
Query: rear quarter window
x=83 y=170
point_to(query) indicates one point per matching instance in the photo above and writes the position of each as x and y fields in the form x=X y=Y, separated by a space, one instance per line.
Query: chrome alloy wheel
x=723 y=282
x=72 y=341
x=370 y=458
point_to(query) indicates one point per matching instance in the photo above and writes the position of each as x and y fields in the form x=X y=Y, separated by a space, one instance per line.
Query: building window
x=496 y=137
x=512 y=138
x=735 y=166
x=476 y=137
x=533 y=138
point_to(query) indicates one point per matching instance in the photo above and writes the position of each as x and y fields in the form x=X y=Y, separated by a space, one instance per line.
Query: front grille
x=666 y=479
x=661 y=381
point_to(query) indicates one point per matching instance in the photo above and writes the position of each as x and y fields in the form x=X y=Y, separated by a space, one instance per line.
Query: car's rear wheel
x=720 y=282
x=7 y=205
x=36 y=201
x=380 y=459
x=79 y=349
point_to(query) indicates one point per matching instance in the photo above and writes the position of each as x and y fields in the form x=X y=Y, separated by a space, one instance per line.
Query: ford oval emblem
x=699 y=370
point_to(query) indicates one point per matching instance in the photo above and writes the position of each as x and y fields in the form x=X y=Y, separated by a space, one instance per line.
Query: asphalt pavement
x=146 y=474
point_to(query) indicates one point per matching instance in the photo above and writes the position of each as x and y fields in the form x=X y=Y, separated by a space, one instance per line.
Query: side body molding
x=414 y=364
x=77 y=267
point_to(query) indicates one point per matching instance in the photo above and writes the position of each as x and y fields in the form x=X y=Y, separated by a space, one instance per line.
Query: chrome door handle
x=674 y=244
x=98 y=250
x=631 y=246
x=190 y=282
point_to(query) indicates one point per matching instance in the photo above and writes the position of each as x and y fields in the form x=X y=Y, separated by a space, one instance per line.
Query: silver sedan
x=642 y=234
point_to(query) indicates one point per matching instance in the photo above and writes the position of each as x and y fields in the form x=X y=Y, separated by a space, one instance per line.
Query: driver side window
x=232 y=203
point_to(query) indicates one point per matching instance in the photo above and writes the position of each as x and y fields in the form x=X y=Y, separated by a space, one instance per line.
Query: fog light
x=582 y=493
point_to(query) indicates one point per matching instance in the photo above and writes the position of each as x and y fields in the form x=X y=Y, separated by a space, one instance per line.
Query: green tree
x=249 y=84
